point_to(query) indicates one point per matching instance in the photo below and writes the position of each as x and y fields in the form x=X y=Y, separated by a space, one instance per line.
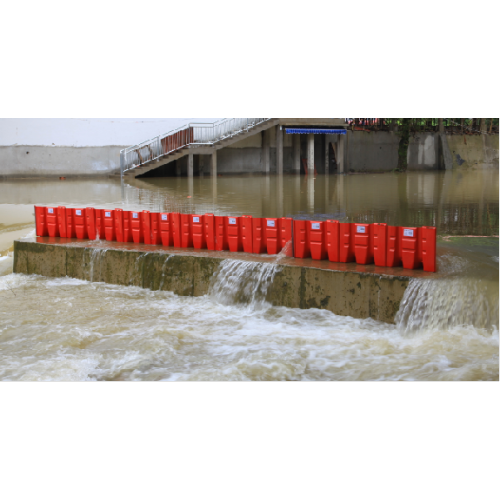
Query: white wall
x=81 y=132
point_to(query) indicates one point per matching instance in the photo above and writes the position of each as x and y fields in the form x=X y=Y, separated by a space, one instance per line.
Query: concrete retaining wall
x=356 y=294
x=46 y=161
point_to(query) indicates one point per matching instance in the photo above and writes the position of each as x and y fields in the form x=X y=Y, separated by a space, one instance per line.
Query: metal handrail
x=202 y=134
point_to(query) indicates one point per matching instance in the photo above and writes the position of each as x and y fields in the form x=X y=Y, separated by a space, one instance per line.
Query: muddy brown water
x=447 y=329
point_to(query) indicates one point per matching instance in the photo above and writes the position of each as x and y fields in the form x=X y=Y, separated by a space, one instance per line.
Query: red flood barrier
x=40 y=221
x=363 y=243
x=62 y=222
x=109 y=224
x=118 y=223
x=186 y=236
x=233 y=232
x=136 y=226
x=166 y=232
x=409 y=244
x=80 y=223
x=99 y=224
x=301 y=248
x=379 y=244
x=272 y=235
x=70 y=225
x=127 y=227
x=176 y=228
x=346 y=242
x=428 y=248
x=332 y=228
x=146 y=226
x=258 y=236
x=52 y=222
x=155 y=228
x=317 y=240
x=90 y=223
x=198 y=231
x=286 y=235
x=209 y=229
x=393 y=248
x=220 y=233
x=247 y=233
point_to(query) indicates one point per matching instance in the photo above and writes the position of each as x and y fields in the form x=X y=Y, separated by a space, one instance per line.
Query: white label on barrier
x=232 y=221
x=196 y=219
x=164 y=217
x=315 y=225
x=78 y=212
x=108 y=214
x=51 y=210
x=271 y=223
x=360 y=229
x=408 y=232
x=135 y=215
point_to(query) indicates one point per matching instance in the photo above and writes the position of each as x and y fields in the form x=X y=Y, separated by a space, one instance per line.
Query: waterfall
x=241 y=282
x=431 y=304
x=95 y=259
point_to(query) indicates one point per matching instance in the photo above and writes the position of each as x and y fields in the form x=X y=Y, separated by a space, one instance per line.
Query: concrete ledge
x=344 y=289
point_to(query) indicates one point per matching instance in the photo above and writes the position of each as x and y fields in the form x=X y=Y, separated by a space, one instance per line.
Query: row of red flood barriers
x=383 y=245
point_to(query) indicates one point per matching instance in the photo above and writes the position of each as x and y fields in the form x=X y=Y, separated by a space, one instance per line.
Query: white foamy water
x=67 y=329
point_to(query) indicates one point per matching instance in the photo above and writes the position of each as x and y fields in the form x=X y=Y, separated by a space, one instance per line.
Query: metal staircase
x=165 y=148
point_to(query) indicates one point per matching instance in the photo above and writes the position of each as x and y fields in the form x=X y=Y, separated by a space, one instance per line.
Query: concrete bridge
x=262 y=145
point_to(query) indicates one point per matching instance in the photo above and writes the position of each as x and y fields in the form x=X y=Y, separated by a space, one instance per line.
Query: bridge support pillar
x=190 y=164
x=266 y=161
x=327 y=154
x=340 y=155
x=279 y=150
x=213 y=166
x=296 y=153
x=310 y=154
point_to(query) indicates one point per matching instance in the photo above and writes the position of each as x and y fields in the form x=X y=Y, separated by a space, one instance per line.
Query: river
x=447 y=329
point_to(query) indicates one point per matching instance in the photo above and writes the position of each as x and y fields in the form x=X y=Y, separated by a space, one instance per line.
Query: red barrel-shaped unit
x=332 y=228
x=41 y=221
x=136 y=226
x=198 y=231
x=155 y=228
x=176 y=228
x=70 y=223
x=61 y=221
x=109 y=224
x=80 y=223
x=272 y=235
x=346 y=242
x=286 y=235
x=393 y=247
x=410 y=251
x=146 y=226
x=301 y=248
x=90 y=223
x=317 y=239
x=186 y=235
x=209 y=228
x=233 y=231
x=379 y=232
x=166 y=231
x=363 y=243
x=52 y=222
x=221 y=233
x=246 y=233
x=100 y=226
x=118 y=222
x=126 y=226
x=428 y=248
x=258 y=236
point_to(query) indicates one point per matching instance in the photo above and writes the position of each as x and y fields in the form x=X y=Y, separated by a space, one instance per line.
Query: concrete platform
x=360 y=291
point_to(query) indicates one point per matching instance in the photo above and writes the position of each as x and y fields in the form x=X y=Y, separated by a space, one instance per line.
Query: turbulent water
x=66 y=329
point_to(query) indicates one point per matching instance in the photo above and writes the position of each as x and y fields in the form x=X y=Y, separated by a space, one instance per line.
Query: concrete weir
x=360 y=291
